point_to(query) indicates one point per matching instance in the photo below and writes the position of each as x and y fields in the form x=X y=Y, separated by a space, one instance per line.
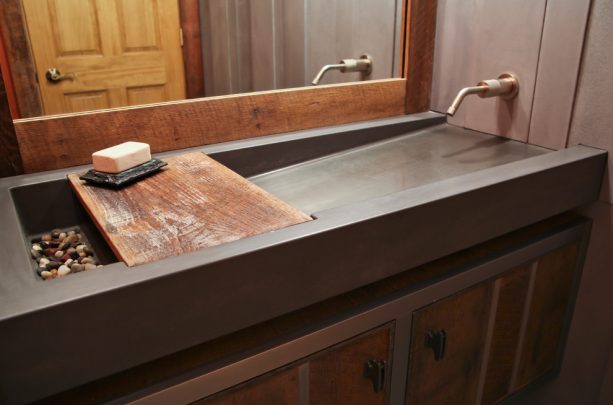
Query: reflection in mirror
x=275 y=44
x=95 y=54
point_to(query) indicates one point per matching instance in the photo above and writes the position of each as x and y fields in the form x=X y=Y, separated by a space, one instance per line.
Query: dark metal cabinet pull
x=374 y=370
x=437 y=341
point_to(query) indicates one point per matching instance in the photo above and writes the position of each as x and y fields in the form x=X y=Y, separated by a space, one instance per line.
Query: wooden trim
x=192 y=48
x=419 y=53
x=8 y=82
x=70 y=139
x=22 y=68
x=10 y=159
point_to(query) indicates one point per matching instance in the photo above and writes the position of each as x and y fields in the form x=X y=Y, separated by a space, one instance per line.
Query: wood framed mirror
x=59 y=141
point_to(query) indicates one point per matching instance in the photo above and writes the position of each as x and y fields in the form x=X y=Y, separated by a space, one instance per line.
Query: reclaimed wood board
x=193 y=203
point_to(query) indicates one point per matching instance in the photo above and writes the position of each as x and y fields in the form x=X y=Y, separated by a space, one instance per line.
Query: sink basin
x=390 y=166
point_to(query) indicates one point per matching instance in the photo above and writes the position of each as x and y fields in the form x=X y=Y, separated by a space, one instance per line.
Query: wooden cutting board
x=192 y=203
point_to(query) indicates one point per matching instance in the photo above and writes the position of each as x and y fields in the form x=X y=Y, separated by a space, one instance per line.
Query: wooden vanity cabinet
x=476 y=326
x=352 y=372
x=487 y=342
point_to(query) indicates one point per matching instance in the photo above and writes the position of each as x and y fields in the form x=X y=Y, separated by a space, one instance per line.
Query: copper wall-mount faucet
x=363 y=64
x=506 y=86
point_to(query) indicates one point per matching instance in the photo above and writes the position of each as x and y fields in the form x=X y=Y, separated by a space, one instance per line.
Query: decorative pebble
x=35 y=253
x=49 y=251
x=63 y=270
x=76 y=267
x=62 y=252
x=53 y=265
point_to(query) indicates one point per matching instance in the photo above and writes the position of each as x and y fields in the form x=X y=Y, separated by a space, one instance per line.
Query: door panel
x=454 y=378
x=118 y=53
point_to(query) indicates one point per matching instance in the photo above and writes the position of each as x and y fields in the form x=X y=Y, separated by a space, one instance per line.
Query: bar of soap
x=121 y=157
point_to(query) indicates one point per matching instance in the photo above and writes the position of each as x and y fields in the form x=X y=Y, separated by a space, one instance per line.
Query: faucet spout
x=506 y=86
x=363 y=65
x=322 y=72
x=460 y=97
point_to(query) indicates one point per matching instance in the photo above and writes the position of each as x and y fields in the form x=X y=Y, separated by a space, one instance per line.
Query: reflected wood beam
x=70 y=139
x=10 y=159
x=420 y=31
x=192 y=48
x=14 y=34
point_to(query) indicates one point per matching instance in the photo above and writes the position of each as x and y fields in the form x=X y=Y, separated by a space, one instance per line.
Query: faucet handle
x=506 y=86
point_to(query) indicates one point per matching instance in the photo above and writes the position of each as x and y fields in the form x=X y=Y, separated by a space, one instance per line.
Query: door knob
x=54 y=75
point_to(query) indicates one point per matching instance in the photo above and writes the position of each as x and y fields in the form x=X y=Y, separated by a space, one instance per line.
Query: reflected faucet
x=364 y=65
x=506 y=86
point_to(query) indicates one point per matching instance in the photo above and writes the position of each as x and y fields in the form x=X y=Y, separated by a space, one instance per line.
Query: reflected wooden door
x=112 y=52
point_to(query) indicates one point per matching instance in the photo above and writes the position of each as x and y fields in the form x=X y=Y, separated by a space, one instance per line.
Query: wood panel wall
x=10 y=158
x=274 y=44
x=192 y=48
x=14 y=34
x=479 y=40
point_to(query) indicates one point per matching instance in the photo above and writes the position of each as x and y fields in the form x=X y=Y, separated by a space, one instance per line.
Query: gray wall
x=566 y=98
x=272 y=44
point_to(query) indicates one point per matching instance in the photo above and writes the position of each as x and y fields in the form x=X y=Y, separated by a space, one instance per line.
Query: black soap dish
x=121 y=179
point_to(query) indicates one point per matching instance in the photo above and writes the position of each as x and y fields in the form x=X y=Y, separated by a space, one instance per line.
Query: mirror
x=112 y=53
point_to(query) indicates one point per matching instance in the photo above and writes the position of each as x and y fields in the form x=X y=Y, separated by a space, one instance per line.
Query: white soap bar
x=121 y=157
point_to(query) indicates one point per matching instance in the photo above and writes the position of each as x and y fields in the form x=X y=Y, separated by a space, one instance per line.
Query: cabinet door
x=445 y=370
x=550 y=303
x=278 y=388
x=348 y=373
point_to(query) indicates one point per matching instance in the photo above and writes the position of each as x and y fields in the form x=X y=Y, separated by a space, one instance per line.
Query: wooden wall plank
x=487 y=38
x=192 y=48
x=561 y=51
x=23 y=70
x=10 y=159
x=419 y=53
x=70 y=139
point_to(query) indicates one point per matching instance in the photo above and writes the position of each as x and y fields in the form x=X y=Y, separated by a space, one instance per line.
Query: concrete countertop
x=113 y=318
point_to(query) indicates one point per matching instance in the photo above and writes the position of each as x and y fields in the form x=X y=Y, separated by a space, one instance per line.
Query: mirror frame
x=58 y=141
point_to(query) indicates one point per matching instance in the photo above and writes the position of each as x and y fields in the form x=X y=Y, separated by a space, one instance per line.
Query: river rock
x=63 y=270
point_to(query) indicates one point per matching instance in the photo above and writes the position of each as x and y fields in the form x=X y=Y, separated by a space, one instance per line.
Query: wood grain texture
x=277 y=388
x=550 y=303
x=561 y=50
x=336 y=376
x=419 y=53
x=23 y=71
x=192 y=48
x=454 y=378
x=201 y=204
x=479 y=40
x=10 y=159
x=503 y=346
x=183 y=124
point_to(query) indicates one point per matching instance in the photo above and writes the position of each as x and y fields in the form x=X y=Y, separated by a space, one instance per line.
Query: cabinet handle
x=437 y=341
x=374 y=370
